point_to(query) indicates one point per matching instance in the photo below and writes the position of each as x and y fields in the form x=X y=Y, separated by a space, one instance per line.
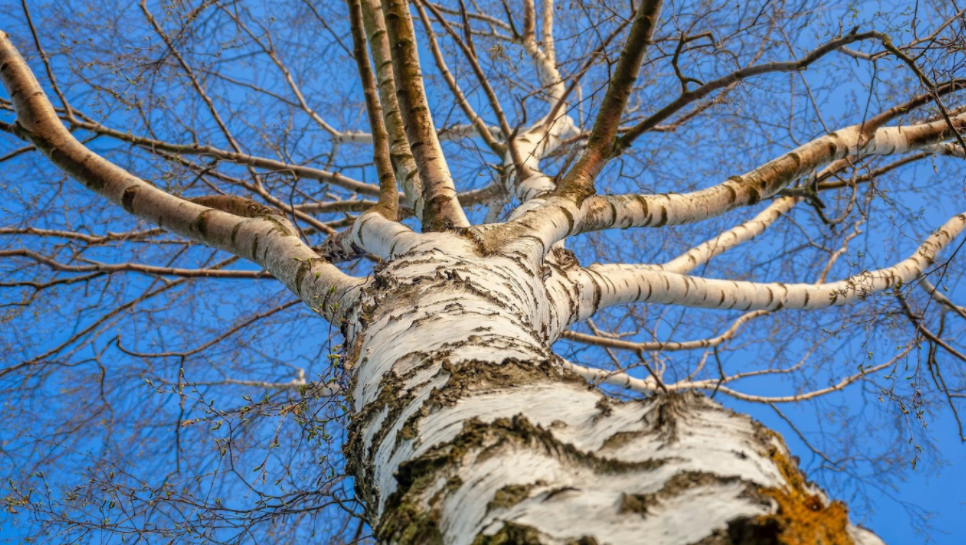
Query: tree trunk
x=469 y=429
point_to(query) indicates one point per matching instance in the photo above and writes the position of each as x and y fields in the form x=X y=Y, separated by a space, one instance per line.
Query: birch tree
x=469 y=272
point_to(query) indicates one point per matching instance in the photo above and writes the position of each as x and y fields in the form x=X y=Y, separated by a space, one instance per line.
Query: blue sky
x=930 y=486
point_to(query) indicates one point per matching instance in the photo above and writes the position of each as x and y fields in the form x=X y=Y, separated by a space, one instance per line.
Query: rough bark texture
x=469 y=429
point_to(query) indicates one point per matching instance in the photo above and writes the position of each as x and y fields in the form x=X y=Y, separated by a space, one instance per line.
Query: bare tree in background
x=504 y=267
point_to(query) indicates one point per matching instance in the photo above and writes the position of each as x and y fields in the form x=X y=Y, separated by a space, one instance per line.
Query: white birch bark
x=605 y=286
x=560 y=217
x=467 y=428
x=470 y=430
x=235 y=225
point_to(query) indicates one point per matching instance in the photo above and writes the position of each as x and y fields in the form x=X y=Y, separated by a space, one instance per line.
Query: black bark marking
x=833 y=147
x=570 y=219
x=754 y=196
x=362 y=226
x=127 y=198
x=201 y=223
x=684 y=481
x=279 y=226
x=303 y=269
x=642 y=200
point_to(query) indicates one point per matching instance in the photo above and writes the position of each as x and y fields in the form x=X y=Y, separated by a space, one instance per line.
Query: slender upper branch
x=111 y=268
x=191 y=76
x=702 y=253
x=302 y=103
x=689 y=97
x=461 y=99
x=724 y=241
x=155 y=146
x=665 y=346
x=940 y=298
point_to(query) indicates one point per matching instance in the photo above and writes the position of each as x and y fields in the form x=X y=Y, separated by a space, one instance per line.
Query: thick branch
x=407 y=173
x=442 y=210
x=764 y=181
x=388 y=198
x=268 y=240
x=600 y=146
x=559 y=217
x=601 y=289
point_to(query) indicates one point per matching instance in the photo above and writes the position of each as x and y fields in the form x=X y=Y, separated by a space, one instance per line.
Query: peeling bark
x=469 y=430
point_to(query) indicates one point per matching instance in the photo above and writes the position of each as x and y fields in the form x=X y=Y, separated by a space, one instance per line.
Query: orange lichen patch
x=803 y=517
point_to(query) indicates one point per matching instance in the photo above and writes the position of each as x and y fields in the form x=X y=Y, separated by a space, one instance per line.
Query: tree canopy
x=767 y=197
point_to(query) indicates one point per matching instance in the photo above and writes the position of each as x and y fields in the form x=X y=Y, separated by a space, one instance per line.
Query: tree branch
x=481 y=126
x=617 y=287
x=388 y=197
x=691 y=96
x=760 y=183
x=578 y=183
x=266 y=239
x=664 y=346
x=442 y=209
x=111 y=268
x=702 y=253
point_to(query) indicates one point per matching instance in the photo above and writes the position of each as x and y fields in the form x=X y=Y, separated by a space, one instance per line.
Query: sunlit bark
x=466 y=427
